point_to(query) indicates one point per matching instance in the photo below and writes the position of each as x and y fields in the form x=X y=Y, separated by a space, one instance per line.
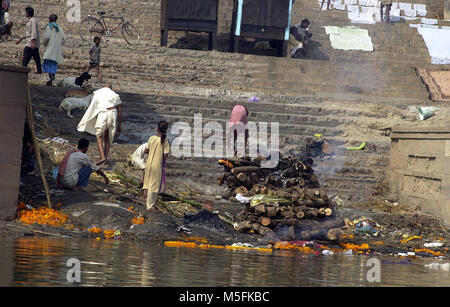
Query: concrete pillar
x=13 y=83
x=447 y=9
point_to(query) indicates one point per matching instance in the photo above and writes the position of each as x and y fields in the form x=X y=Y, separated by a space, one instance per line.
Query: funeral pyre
x=277 y=196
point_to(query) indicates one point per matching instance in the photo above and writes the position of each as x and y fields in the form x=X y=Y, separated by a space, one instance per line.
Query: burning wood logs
x=293 y=188
x=248 y=174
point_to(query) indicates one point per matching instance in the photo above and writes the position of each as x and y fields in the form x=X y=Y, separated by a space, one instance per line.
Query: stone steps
x=173 y=108
x=296 y=93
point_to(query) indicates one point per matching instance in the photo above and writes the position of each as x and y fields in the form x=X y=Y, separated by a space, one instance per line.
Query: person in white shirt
x=76 y=168
x=32 y=41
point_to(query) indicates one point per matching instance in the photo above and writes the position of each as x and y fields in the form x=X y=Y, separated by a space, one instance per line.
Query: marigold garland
x=138 y=220
x=209 y=246
x=355 y=247
x=109 y=233
x=42 y=216
x=197 y=239
x=428 y=251
x=95 y=230
x=410 y=238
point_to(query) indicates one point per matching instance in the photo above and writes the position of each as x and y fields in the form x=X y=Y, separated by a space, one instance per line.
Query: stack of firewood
x=290 y=205
x=294 y=188
x=245 y=176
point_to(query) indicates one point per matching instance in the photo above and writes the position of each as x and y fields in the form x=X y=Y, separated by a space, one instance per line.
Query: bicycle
x=91 y=27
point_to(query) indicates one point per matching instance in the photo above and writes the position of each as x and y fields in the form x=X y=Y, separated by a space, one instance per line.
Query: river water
x=31 y=261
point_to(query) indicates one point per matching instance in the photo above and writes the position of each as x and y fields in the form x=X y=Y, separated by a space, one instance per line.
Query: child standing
x=94 y=56
x=158 y=149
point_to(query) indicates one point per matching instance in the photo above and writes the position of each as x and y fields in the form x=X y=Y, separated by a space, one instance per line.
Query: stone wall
x=13 y=82
x=145 y=15
x=436 y=8
x=419 y=170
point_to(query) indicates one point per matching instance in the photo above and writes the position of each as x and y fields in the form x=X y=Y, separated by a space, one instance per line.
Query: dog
x=79 y=93
x=263 y=45
x=70 y=103
x=75 y=81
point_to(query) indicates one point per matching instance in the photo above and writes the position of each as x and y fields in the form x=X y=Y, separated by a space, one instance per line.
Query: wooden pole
x=36 y=147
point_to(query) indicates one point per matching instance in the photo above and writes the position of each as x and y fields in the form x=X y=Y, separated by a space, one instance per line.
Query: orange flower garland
x=137 y=220
x=42 y=216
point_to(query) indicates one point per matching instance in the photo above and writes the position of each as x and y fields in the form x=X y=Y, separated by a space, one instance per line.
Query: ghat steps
x=387 y=71
x=351 y=175
x=175 y=83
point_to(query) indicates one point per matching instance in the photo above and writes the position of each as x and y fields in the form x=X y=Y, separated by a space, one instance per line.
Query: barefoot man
x=76 y=168
x=102 y=119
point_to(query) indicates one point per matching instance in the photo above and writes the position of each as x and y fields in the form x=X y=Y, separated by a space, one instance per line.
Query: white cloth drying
x=361 y=18
x=429 y=21
x=430 y=26
x=353 y=8
x=410 y=13
x=368 y=9
x=339 y=6
x=421 y=13
x=405 y=6
x=351 y=2
x=408 y=18
x=371 y=3
x=395 y=12
x=419 y=7
x=349 y=38
x=438 y=43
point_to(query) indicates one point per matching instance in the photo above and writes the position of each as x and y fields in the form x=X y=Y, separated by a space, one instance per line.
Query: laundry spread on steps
x=437 y=41
x=368 y=11
x=349 y=38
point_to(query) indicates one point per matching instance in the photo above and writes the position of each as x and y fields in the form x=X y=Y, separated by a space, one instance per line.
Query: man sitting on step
x=298 y=38
x=76 y=168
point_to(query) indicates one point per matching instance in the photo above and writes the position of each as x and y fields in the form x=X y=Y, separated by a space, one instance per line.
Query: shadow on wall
x=199 y=41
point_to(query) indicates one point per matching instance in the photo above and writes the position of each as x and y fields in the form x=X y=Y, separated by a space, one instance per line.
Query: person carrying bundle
x=298 y=38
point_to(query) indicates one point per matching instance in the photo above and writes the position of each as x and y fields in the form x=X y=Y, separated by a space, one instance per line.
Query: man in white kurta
x=102 y=119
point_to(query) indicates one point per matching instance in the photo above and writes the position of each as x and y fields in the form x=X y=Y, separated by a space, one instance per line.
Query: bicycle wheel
x=91 y=27
x=130 y=34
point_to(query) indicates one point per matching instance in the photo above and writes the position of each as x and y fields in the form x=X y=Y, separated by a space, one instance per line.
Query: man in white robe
x=102 y=119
